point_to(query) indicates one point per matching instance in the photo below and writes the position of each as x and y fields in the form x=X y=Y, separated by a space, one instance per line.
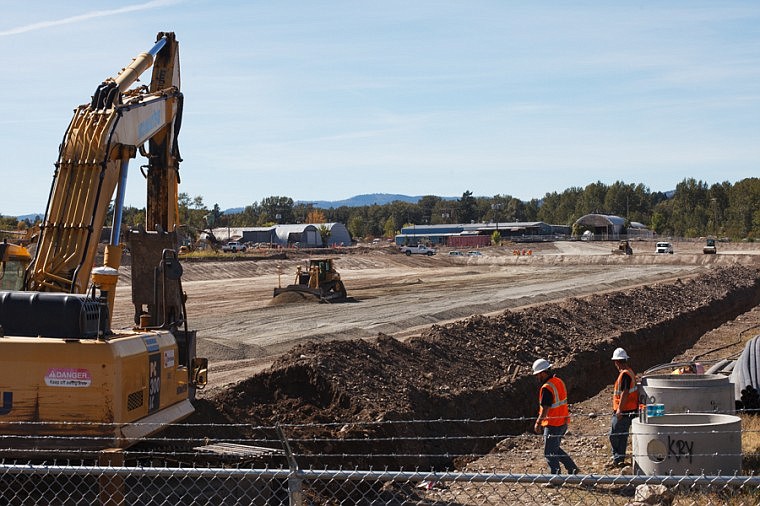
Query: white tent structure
x=301 y=235
x=603 y=226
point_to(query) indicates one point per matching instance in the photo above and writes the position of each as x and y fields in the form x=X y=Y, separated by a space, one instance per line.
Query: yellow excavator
x=68 y=381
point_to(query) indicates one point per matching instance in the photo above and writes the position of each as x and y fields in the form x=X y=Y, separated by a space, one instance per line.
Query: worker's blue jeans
x=553 y=453
x=619 y=436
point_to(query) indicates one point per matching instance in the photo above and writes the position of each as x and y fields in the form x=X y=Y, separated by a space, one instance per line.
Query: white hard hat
x=620 y=354
x=541 y=365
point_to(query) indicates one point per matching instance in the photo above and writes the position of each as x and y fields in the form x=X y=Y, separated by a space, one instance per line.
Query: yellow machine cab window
x=13 y=262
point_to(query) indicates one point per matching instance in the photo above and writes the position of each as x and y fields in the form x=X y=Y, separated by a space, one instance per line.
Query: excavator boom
x=93 y=161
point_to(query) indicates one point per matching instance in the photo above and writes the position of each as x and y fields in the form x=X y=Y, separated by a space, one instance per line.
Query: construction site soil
x=452 y=338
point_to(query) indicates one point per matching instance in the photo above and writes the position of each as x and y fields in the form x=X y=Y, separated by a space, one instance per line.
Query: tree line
x=693 y=209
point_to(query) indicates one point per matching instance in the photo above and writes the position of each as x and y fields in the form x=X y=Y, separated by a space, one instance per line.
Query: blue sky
x=326 y=100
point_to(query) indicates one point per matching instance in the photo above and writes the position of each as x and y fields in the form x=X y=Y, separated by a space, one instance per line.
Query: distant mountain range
x=369 y=199
x=30 y=217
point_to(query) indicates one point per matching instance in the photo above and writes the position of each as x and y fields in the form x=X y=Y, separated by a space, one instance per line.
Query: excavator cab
x=13 y=263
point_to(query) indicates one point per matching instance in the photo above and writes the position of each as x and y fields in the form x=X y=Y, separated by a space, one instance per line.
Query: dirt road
x=242 y=331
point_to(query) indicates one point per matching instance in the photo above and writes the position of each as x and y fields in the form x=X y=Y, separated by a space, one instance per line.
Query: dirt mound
x=294 y=298
x=477 y=367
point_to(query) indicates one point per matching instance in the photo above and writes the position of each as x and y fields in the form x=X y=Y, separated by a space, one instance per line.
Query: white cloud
x=33 y=27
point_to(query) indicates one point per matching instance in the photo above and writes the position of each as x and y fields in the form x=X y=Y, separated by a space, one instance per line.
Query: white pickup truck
x=418 y=250
x=234 y=247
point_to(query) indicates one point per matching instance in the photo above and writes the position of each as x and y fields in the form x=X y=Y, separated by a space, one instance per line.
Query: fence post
x=111 y=486
x=295 y=480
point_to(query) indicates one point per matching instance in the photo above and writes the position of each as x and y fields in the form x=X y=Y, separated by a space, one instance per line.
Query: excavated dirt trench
x=475 y=369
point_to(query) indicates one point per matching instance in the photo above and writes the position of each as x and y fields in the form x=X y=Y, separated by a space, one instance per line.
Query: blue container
x=655 y=410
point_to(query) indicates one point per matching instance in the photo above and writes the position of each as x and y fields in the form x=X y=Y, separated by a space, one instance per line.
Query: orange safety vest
x=632 y=401
x=558 y=413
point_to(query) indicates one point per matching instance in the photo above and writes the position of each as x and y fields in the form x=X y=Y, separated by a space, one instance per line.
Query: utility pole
x=496 y=208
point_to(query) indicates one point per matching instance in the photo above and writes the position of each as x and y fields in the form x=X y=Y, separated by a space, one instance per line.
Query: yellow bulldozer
x=624 y=248
x=321 y=279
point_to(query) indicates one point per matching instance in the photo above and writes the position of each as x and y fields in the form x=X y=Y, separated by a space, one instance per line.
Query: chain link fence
x=40 y=484
x=419 y=462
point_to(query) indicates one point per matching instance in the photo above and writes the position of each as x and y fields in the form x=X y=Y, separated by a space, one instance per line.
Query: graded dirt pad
x=242 y=331
x=447 y=338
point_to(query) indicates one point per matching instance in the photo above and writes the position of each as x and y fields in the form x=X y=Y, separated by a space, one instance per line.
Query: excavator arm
x=93 y=162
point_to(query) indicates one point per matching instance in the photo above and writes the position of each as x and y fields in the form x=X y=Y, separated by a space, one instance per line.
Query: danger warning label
x=65 y=377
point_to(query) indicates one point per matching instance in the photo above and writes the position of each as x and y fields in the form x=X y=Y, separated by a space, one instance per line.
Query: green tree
x=355 y=226
x=375 y=219
x=560 y=209
x=183 y=202
x=618 y=198
x=218 y=216
x=277 y=209
x=192 y=212
x=8 y=222
x=342 y=214
x=591 y=200
x=427 y=206
x=400 y=212
x=743 y=213
x=514 y=211
x=531 y=210
x=657 y=224
x=248 y=217
x=389 y=229
x=466 y=208
x=497 y=209
x=689 y=208
x=325 y=233
x=719 y=195
x=443 y=212
x=133 y=217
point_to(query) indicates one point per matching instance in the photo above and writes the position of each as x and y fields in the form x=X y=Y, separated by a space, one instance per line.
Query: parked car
x=474 y=254
x=456 y=253
x=663 y=247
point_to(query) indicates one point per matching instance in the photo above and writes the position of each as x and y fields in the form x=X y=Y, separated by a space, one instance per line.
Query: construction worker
x=553 y=415
x=625 y=405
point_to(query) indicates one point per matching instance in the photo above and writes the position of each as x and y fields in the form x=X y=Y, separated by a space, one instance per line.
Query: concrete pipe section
x=687 y=444
x=689 y=393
